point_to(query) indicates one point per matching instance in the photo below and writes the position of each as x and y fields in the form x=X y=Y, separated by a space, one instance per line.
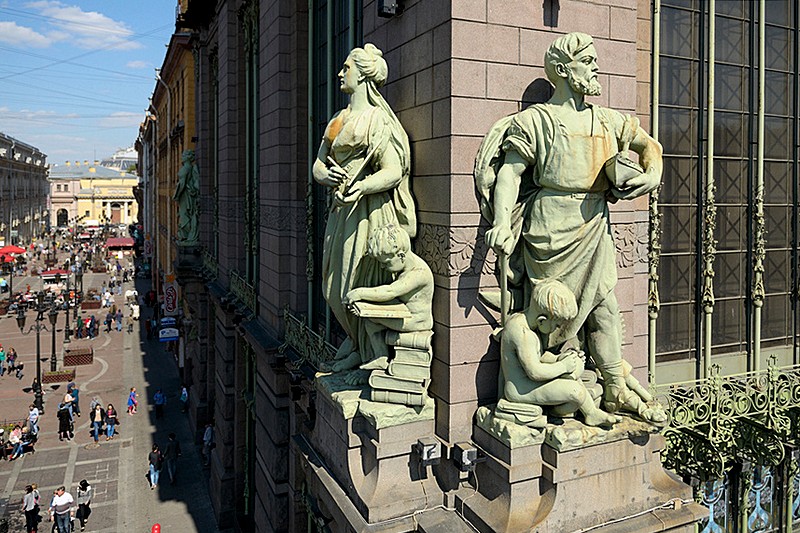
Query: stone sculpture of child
x=532 y=375
x=412 y=285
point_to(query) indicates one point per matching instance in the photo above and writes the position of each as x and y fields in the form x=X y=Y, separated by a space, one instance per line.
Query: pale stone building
x=23 y=191
x=91 y=195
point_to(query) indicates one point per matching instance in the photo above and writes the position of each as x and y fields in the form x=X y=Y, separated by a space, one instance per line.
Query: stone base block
x=570 y=477
x=368 y=449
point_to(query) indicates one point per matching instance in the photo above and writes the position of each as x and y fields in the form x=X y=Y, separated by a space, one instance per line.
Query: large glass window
x=334 y=29
x=684 y=130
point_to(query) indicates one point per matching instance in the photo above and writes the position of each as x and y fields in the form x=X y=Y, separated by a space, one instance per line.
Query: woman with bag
x=98 y=416
x=30 y=506
x=85 y=493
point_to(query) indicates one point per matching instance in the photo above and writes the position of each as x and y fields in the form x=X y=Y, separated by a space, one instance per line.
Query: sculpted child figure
x=390 y=246
x=533 y=375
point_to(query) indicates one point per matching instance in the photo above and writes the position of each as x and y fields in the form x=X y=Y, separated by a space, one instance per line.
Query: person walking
x=61 y=509
x=64 y=421
x=160 y=400
x=111 y=421
x=155 y=460
x=33 y=419
x=2 y=360
x=109 y=319
x=18 y=367
x=129 y=323
x=208 y=443
x=171 y=453
x=118 y=319
x=184 y=397
x=97 y=417
x=11 y=359
x=74 y=391
x=132 y=401
x=30 y=506
x=85 y=493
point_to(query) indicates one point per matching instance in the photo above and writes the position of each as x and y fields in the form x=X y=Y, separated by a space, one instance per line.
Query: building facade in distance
x=91 y=195
x=23 y=191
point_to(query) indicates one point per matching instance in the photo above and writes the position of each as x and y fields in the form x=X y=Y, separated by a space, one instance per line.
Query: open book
x=392 y=309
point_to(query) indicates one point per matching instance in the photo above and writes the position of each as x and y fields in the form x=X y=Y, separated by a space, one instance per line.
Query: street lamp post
x=67 y=304
x=53 y=316
x=38 y=326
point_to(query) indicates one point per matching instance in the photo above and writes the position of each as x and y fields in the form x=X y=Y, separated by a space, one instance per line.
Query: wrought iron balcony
x=243 y=291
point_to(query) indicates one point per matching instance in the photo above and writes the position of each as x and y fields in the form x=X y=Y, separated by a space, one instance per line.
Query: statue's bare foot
x=599 y=417
x=622 y=398
x=379 y=363
x=357 y=377
x=349 y=362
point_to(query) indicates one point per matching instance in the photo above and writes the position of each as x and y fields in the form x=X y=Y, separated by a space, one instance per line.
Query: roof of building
x=74 y=170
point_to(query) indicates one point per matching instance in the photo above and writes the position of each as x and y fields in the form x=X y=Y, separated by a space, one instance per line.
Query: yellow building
x=171 y=130
x=93 y=194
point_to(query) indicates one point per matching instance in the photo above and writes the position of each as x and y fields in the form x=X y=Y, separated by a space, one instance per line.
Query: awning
x=120 y=242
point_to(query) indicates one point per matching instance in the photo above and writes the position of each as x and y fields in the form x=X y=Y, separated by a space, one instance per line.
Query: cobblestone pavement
x=116 y=469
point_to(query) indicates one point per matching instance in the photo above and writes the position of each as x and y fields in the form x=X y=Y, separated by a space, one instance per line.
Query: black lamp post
x=53 y=317
x=38 y=326
x=79 y=278
x=67 y=303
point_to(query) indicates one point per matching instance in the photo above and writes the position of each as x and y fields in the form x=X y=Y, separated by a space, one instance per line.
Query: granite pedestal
x=367 y=448
x=568 y=477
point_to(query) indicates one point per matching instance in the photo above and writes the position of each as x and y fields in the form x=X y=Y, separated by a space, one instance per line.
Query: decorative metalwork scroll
x=716 y=421
x=309 y=345
x=243 y=291
x=210 y=265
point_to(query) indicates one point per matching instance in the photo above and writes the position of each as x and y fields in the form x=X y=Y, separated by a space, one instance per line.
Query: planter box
x=59 y=376
x=91 y=304
x=78 y=356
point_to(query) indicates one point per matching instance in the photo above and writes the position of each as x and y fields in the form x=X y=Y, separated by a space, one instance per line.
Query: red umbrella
x=7 y=258
x=11 y=249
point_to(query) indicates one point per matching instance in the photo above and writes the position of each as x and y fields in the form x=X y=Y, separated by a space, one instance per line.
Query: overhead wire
x=94 y=27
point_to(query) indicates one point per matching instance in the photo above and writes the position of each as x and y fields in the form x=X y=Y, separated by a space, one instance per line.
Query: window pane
x=731 y=87
x=727 y=324
x=731 y=41
x=677 y=133
x=678 y=82
x=681 y=39
x=777 y=271
x=679 y=228
x=678 y=180
x=731 y=230
x=676 y=279
x=777 y=182
x=675 y=328
x=778 y=12
x=733 y=8
x=777 y=219
x=777 y=135
x=778 y=49
x=729 y=134
x=777 y=93
x=730 y=176
x=729 y=278
x=775 y=317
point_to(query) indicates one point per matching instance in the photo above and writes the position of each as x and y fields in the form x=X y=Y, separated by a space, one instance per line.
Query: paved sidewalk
x=123 y=500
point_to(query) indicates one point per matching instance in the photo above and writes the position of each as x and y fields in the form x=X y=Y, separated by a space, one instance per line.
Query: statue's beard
x=588 y=88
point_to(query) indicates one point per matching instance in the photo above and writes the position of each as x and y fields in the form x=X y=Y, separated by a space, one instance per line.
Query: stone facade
x=23 y=169
x=454 y=69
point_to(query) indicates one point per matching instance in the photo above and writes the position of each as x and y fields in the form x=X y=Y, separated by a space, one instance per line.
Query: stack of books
x=409 y=374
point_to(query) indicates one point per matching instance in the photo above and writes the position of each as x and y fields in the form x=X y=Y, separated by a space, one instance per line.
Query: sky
x=76 y=75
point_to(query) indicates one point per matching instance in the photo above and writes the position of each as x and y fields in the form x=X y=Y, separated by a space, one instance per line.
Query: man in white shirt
x=61 y=509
